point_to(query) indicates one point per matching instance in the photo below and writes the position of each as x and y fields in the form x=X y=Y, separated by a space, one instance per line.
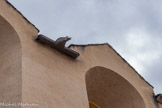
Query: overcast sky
x=132 y=27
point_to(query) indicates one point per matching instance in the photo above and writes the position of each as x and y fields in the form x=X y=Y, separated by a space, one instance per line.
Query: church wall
x=54 y=80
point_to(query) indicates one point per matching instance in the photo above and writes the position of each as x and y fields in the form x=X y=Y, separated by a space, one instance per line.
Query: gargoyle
x=59 y=45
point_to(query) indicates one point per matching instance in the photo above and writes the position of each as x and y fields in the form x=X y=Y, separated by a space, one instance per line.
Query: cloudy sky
x=132 y=27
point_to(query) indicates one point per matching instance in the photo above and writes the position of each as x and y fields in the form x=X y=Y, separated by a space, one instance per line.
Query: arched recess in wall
x=107 y=89
x=10 y=63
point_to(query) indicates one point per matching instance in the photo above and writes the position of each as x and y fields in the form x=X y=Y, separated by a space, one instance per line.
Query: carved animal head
x=67 y=38
x=63 y=39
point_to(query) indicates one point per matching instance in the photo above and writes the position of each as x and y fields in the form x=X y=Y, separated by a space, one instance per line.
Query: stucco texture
x=36 y=73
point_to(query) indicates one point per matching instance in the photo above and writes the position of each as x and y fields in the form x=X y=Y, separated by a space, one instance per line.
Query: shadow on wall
x=10 y=63
x=93 y=105
x=107 y=89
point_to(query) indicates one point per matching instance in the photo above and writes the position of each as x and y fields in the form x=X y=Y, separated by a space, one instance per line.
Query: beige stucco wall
x=10 y=64
x=54 y=80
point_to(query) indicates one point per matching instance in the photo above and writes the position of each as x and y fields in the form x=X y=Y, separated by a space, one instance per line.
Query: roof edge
x=21 y=15
x=85 y=45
